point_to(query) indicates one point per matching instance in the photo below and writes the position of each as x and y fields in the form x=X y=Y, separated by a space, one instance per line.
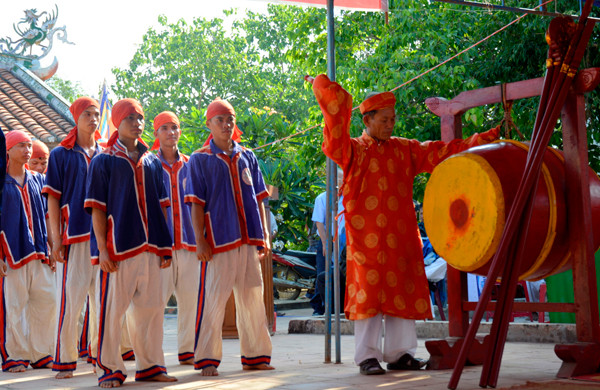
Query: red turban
x=120 y=111
x=15 y=137
x=378 y=102
x=221 y=107
x=161 y=119
x=39 y=149
x=77 y=108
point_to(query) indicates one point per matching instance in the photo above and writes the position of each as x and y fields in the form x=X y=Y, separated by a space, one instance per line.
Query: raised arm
x=336 y=105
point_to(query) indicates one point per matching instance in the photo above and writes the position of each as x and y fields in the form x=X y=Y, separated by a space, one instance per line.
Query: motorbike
x=293 y=272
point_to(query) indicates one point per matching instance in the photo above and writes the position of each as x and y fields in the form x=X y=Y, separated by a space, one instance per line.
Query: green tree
x=259 y=64
x=66 y=88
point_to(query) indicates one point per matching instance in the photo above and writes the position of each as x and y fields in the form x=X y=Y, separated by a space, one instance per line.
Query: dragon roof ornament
x=33 y=33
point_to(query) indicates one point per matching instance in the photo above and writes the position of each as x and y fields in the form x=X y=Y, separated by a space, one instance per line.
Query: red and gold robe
x=385 y=270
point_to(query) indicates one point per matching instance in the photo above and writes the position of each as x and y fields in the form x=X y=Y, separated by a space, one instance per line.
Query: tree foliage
x=66 y=88
x=258 y=61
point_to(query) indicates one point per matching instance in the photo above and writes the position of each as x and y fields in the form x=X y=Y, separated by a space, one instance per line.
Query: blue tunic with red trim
x=132 y=195
x=229 y=188
x=66 y=181
x=23 y=236
x=179 y=216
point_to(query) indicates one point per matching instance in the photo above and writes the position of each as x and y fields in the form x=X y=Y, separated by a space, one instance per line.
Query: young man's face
x=20 y=153
x=381 y=125
x=38 y=164
x=132 y=127
x=221 y=127
x=168 y=134
x=88 y=120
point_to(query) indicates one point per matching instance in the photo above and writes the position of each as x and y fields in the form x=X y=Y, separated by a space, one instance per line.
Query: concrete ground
x=298 y=359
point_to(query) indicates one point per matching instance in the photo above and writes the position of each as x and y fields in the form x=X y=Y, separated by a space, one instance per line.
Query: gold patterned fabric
x=385 y=270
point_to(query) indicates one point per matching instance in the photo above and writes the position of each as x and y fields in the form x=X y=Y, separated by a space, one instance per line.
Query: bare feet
x=64 y=375
x=209 y=371
x=110 y=384
x=263 y=366
x=160 y=378
x=187 y=362
x=19 y=368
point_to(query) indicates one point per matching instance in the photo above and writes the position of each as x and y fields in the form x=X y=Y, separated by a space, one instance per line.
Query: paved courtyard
x=298 y=359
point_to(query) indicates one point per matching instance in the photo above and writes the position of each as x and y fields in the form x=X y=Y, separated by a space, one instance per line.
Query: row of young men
x=126 y=228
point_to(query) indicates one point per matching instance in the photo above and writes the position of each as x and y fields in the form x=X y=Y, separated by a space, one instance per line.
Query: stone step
x=531 y=332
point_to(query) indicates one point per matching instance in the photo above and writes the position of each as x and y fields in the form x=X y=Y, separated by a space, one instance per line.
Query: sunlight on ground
x=24 y=379
x=404 y=380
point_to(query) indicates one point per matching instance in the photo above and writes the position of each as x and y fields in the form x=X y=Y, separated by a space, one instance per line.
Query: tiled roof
x=23 y=109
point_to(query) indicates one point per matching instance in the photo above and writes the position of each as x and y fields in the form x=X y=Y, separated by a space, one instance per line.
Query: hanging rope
x=507 y=122
x=423 y=74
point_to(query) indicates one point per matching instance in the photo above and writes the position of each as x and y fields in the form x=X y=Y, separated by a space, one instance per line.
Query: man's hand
x=3 y=269
x=106 y=264
x=203 y=250
x=58 y=252
x=52 y=264
x=265 y=252
x=164 y=262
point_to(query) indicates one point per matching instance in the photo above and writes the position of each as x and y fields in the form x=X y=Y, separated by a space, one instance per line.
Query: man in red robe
x=385 y=277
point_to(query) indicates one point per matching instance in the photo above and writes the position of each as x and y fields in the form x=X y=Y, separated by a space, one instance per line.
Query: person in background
x=39 y=157
x=27 y=310
x=183 y=276
x=319 y=219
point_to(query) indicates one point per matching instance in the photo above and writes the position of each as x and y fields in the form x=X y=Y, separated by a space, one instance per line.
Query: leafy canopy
x=258 y=62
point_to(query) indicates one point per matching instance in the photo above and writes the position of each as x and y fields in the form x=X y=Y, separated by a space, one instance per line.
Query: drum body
x=468 y=198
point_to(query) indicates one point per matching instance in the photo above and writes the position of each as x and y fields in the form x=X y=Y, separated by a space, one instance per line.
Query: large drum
x=469 y=196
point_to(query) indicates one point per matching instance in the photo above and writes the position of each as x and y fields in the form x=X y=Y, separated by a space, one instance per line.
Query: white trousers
x=76 y=280
x=400 y=337
x=183 y=278
x=28 y=316
x=238 y=270
x=138 y=283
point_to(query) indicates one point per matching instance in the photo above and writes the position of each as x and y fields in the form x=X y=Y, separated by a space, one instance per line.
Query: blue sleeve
x=55 y=172
x=97 y=184
x=195 y=186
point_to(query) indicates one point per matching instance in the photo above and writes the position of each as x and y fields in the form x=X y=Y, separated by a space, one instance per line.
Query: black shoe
x=407 y=362
x=371 y=367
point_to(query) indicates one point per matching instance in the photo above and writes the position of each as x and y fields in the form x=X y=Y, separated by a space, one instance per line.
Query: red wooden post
x=584 y=356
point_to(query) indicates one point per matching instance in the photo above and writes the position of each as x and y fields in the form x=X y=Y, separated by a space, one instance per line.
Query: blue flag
x=106 y=126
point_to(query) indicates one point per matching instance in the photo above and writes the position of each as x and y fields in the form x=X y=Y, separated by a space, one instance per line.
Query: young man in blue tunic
x=131 y=243
x=28 y=307
x=226 y=190
x=183 y=276
x=70 y=228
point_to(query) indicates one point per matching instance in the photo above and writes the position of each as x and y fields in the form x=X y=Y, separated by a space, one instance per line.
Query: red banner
x=348 y=4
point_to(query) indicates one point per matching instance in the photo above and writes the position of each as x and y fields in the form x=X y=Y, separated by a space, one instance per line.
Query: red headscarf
x=378 y=102
x=39 y=149
x=77 y=108
x=221 y=107
x=120 y=111
x=15 y=137
x=161 y=119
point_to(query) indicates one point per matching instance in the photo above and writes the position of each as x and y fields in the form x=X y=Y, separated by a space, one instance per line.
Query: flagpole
x=331 y=223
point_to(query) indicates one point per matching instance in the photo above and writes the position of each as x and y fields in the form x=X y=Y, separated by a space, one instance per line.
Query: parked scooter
x=293 y=271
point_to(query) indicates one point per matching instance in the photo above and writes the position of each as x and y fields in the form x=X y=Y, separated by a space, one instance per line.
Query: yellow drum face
x=464 y=211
